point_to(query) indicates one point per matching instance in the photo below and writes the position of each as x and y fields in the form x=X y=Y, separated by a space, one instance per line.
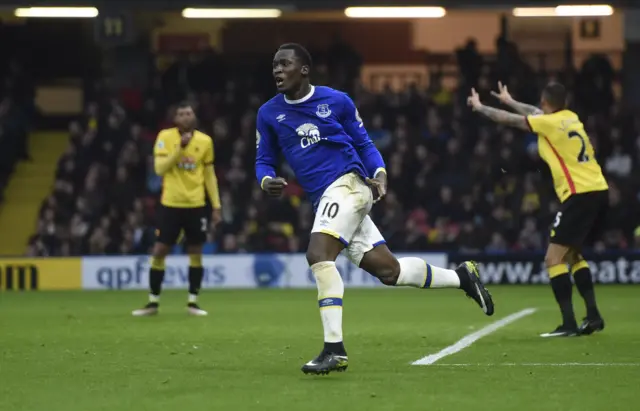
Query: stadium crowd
x=456 y=182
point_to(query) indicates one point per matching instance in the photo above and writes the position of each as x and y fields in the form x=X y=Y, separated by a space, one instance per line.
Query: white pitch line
x=466 y=341
x=536 y=364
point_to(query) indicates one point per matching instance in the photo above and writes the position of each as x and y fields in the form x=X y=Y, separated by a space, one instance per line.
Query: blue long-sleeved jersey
x=321 y=136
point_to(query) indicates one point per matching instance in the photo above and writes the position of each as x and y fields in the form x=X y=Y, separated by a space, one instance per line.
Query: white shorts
x=343 y=213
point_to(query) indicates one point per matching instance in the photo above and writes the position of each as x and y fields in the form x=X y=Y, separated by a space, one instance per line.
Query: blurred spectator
x=380 y=136
x=530 y=238
x=619 y=163
x=470 y=63
x=497 y=244
x=123 y=191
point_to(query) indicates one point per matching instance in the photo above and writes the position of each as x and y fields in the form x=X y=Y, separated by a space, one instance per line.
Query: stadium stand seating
x=17 y=112
x=456 y=182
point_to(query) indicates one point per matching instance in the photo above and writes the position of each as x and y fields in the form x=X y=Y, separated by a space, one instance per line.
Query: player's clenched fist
x=274 y=186
x=378 y=186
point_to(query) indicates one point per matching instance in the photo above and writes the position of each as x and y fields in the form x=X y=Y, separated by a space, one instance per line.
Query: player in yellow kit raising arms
x=183 y=156
x=580 y=187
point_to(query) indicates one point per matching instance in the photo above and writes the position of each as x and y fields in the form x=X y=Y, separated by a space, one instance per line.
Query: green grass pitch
x=83 y=351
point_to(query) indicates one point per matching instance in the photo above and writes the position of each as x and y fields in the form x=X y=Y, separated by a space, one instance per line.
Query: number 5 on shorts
x=203 y=225
x=556 y=222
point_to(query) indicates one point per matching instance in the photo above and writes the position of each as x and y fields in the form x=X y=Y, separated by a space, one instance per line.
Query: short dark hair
x=299 y=51
x=184 y=104
x=555 y=95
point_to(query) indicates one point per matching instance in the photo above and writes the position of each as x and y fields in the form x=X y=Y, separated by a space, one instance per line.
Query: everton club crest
x=323 y=111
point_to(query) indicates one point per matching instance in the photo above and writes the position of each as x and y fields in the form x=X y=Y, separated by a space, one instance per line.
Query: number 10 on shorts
x=330 y=210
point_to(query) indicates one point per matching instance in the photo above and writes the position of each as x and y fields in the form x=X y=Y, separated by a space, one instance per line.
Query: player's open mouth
x=279 y=81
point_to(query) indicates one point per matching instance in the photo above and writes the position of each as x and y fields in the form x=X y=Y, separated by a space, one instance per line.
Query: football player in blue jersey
x=321 y=135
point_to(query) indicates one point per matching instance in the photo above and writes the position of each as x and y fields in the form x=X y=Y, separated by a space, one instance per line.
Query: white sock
x=193 y=298
x=415 y=272
x=154 y=298
x=330 y=293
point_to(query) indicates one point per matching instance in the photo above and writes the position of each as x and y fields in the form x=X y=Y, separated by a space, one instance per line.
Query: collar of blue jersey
x=303 y=99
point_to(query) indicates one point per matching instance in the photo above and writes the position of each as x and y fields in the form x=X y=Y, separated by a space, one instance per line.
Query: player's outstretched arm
x=521 y=108
x=497 y=115
x=504 y=117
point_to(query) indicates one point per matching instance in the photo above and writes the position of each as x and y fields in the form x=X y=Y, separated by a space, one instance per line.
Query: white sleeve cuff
x=263 y=180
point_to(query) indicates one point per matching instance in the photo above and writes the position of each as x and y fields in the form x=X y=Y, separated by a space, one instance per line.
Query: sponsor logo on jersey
x=309 y=134
x=281 y=117
x=323 y=111
x=187 y=164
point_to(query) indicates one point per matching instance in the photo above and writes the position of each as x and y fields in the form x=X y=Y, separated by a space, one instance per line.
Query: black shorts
x=170 y=221
x=581 y=219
